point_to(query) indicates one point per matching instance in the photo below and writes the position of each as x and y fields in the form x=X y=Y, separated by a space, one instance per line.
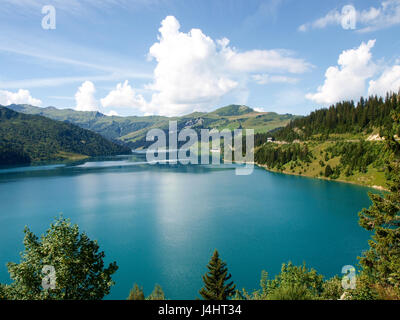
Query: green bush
x=332 y=289
x=292 y=283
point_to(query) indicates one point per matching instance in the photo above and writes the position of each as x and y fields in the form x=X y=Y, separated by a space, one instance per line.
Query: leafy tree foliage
x=364 y=290
x=332 y=289
x=292 y=283
x=79 y=267
x=291 y=292
x=215 y=286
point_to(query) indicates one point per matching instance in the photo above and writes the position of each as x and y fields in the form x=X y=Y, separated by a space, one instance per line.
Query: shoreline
x=265 y=167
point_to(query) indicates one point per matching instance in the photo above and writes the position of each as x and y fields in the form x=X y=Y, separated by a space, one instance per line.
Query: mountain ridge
x=132 y=130
x=28 y=138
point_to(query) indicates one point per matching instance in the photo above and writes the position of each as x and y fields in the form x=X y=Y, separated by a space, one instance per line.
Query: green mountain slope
x=30 y=138
x=132 y=130
x=343 y=142
x=233 y=110
x=111 y=127
x=344 y=117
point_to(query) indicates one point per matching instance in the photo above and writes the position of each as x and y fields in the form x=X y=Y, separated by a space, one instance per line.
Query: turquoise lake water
x=162 y=223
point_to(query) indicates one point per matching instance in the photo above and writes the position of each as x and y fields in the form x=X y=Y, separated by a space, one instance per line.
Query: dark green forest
x=344 y=117
x=31 y=138
x=275 y=156
x=350 y=134
x=358 y=156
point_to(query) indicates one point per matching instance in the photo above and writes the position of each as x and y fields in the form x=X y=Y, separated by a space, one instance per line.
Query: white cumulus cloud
x=124 y=96
x=84 y=97
x=193 y=71
x=20 y=97
x=388 y=81
x=348 y=79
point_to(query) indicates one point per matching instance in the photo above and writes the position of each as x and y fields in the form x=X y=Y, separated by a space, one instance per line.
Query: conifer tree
x=2 y=292
x=157 y=294
x=136 y=293
x=215 y=286
x=381 y=263
x=328 y=171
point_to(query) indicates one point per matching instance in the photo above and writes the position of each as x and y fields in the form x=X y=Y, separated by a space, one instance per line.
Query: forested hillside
x=30 y=138
x=132 y=130
x=344 y=117
x=343 y=142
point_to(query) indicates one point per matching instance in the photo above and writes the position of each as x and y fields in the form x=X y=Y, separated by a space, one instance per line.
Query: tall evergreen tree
x=215 y=286
x=157 y=294
x=328 y=171
x=381 y=263
x=136 y=293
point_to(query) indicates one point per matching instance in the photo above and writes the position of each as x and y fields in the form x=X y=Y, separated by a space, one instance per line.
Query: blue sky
x=285 y=56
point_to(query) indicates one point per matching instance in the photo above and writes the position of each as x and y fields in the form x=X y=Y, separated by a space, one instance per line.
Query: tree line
x=344 y=117
x=276 y=156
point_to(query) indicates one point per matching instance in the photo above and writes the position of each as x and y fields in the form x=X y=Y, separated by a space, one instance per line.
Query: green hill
x=31 y=138
x=343 y=142
x=111 y=127
x=233 y=110
x=344 y=118
x=132 y=130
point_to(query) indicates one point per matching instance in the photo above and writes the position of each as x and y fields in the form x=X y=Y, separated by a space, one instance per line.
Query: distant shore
x=380 y=188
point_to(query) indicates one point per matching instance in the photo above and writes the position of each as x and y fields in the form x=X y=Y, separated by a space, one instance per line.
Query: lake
x=161 y=223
